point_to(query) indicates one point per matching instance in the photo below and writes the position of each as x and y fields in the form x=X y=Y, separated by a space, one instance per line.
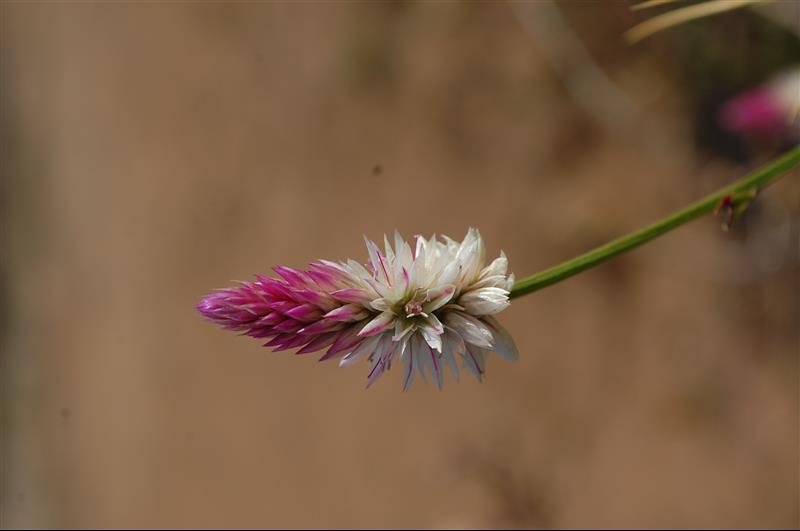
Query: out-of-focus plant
x=767 y=110
x=681 y=14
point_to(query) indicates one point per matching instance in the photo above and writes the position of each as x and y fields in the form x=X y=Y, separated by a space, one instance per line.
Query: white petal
x=402 y=251
x=503 y=342
x=484 y=301
x=411 y=361
x=379 y=324
x=381 y=358
x=438 y=298
x=431 y=360
x=381 y=305
x=494 y=281
x=357 y=270
x=499 y=266
x=471 y=256
x=382 y=270
x=449 y=359
x=434 y=323
x=364 y=349
x=419 y=248
x=452 y=341
x=474 y=360
x=402 y=328
x=450 y=273
x=401 y=346
x=510 y=282
x=470 y=329
x=388 y=249
x=432 y=332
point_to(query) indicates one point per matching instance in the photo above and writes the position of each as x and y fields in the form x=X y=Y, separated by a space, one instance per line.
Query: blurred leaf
x=651 y=3
x=681 y=15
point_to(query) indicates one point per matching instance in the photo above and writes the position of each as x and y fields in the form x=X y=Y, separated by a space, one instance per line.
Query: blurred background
x=152 y=152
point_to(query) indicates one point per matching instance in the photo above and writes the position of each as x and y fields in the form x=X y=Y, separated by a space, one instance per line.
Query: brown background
x=153 y=152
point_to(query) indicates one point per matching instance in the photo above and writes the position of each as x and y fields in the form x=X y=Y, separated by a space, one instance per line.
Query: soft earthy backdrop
x=153 y=152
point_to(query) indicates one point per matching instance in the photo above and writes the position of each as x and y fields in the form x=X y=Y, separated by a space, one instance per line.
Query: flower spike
x=428 y=305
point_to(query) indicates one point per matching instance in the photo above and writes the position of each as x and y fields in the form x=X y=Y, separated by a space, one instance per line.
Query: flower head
x=429 y=307
x=767 y=111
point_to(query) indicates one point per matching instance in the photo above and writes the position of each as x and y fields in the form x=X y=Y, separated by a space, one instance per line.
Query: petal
x=325 y=277
x=431 y=337
x=381 y=358
x=357 y=271
x=411 y=362
x=402 y=251
x=471 y=329
x=282 y=306
x=308 y=313
x=503 y=342
x=364 y=348
x=377 y=325
x=260 y=333
x=484 y=301
x=319 y=342
x=320 y=327
x=406 y=280
x=270 y=319
x=432 y=329
x=510 y=282
x=293 y=342
x=452 y=344
x=348 y=313
x=378 y=262
x=317 y=298
x=402 y=328
x=474 y=361
x=388 y=249
x=438 y=298
x=471 y=255
x=352 y=295
x=279 y=340
x=495 y=281
x=381 y=305
x=346 y=340
x=450 y=273
x=452 y=341
x=499 y=266
x=436 y=365
x=289 y=326
x=419 y=248
x=295 y=278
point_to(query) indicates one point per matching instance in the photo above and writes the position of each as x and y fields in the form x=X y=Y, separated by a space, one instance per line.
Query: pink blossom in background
x=766 y=111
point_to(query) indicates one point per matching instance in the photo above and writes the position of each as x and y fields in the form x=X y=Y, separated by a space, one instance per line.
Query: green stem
x=739 y=192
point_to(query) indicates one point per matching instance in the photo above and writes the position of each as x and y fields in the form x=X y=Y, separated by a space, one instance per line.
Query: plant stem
x=736 y=194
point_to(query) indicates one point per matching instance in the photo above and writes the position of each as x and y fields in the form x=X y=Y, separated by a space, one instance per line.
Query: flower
x=767 y=111
x=430 y=307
